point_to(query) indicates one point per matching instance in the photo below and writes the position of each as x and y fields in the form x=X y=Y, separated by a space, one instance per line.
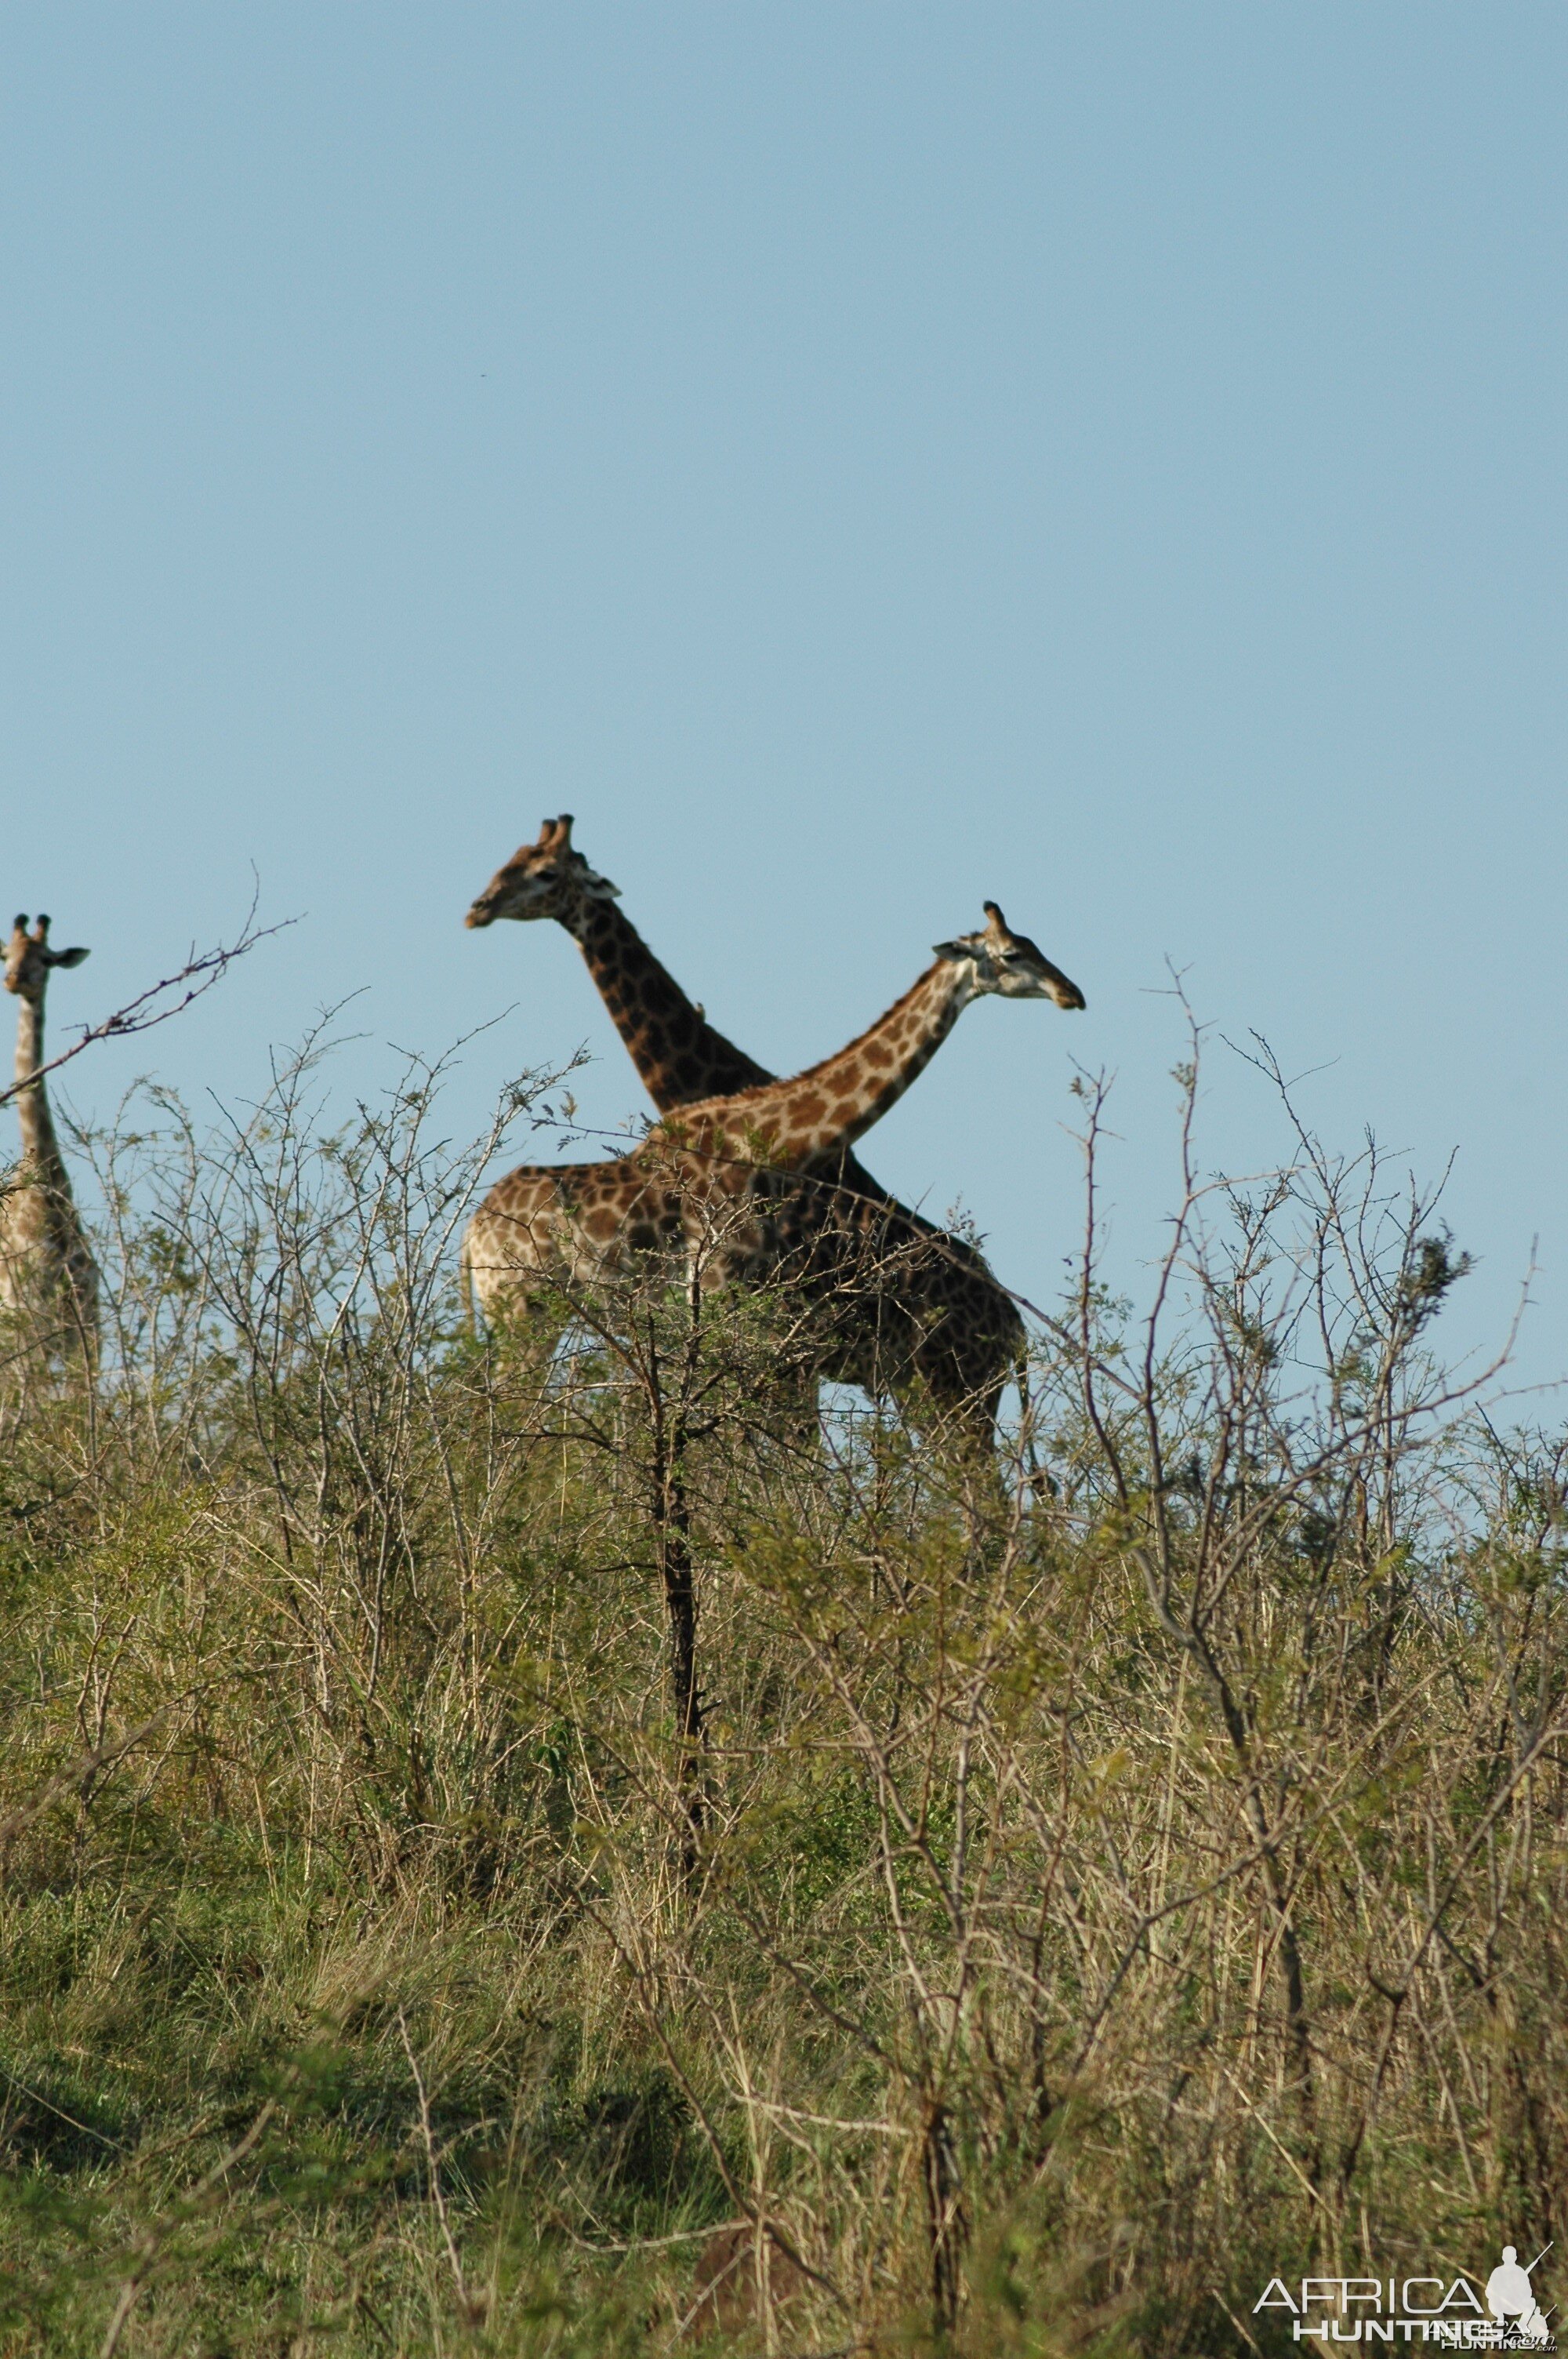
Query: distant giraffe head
x=1010 y=963
x=546 y=879
x=29 y=960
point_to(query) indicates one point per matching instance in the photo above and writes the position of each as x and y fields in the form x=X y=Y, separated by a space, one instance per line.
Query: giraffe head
x=28 y=959
x=546 y=879
x=1010 y=963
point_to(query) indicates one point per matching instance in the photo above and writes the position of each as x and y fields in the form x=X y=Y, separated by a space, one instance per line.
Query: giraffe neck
x=40 y=1148
x=827 y=1108
x=678 y=1054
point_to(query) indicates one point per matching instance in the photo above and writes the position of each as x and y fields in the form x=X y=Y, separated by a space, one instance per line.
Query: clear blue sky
x=860 y=460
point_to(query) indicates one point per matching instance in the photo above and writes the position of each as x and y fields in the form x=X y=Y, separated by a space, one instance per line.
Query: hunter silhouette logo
x=1512 y=2302
x=1433 y=2310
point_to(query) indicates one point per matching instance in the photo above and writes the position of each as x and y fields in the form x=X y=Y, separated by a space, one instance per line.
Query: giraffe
x=678 y=1054
x=45 y=1266
x=896 y=1297
x=725 y=1175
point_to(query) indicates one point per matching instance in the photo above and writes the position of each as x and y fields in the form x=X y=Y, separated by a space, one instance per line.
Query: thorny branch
x=201 y=969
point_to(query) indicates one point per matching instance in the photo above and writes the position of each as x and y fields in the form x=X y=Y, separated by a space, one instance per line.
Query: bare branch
x=201 y=971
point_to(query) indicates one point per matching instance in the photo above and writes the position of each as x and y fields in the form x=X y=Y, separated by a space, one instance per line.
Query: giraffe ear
x=959 y=949
x=66 y=958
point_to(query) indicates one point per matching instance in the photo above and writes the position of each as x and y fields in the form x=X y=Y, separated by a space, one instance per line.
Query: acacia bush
x=529 y=1851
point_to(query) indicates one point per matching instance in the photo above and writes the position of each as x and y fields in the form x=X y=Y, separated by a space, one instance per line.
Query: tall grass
x=1046 y=1907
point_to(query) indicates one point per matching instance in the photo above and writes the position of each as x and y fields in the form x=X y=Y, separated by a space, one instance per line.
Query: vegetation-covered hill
x=1076 y=1895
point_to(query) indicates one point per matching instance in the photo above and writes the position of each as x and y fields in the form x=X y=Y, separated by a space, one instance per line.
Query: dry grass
x=1062 y=1904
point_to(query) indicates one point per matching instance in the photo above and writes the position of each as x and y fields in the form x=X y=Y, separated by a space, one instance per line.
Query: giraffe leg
x=527 y=1324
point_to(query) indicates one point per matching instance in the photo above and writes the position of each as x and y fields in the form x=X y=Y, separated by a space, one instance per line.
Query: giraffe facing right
x=897 y=1299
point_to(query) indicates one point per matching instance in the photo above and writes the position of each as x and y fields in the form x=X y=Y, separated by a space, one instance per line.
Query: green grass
x=1175 y=1863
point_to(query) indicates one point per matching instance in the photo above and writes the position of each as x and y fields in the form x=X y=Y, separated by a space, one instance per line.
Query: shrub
x=1040 y=1905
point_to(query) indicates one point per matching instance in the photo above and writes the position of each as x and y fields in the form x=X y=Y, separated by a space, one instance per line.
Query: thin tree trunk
x=948 y=2225
x=672 y=1518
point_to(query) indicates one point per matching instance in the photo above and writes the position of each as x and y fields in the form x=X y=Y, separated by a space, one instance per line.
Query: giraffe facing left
x=47 y=1269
